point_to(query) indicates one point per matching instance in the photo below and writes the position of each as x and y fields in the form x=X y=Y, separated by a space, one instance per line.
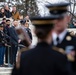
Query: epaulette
x=69 y=38
x=62 y=51
x=19 y=56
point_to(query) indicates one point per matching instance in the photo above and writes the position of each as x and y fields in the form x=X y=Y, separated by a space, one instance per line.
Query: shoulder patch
x=68 y=38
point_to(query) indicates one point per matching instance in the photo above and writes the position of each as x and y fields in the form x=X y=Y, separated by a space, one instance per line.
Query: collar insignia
x=68 y=38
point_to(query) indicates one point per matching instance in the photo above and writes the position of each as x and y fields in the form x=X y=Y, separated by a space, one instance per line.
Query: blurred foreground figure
x=23 y=35
x=62 y=39
x=42 y=60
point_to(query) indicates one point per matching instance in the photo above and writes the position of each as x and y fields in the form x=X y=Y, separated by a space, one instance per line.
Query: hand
x=6 y=45
x=72 y=53
x=19 y=41
x=71 y=56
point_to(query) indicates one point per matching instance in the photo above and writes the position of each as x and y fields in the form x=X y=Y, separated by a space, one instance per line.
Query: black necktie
x=57 y=39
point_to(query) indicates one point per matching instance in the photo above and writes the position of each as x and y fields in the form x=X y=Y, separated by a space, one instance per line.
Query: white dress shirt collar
x=61 y=36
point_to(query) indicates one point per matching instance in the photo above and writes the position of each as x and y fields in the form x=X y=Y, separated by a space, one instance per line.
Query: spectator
x=28 y=30
x=23 y=28
x=15 y=13
x=15 y=23
x=2 y=13
x=7 y=12
x=3 y=43
x=27 y=19
x=14 y=41
x=6 y=31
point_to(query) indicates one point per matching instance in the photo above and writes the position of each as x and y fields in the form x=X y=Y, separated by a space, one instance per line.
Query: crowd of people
x=6 y=13
x=9 y=38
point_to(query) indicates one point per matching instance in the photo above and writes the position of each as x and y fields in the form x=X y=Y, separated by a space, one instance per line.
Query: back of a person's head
x=43 y=31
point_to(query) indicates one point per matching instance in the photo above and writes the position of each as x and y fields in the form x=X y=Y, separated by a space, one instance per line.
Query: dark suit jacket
x=29 y=33
x=8 y=14
x=13 y=35
x=3 y=40
x=2 y=15
x=69 y=44
x=42 y=60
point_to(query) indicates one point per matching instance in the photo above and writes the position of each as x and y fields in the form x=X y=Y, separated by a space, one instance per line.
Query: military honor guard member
x=62 y=39
x=43 y=59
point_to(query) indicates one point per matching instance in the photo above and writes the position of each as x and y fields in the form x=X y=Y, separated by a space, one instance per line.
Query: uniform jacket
x=15 y=15
x=42 y=60
x=68 y=44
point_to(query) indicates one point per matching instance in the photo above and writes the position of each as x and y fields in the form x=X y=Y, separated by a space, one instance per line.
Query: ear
x=69 y=18
x=51 y=31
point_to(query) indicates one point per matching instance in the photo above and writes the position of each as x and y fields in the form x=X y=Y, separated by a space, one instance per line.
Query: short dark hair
x=7 y=20
x=14 y=6
x=4 y=19
x=42 y=31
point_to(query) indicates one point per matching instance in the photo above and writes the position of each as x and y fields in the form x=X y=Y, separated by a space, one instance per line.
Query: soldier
x=62 y=39
x=42 y=60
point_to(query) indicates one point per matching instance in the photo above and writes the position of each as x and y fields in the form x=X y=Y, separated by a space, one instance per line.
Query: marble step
x=5 y=71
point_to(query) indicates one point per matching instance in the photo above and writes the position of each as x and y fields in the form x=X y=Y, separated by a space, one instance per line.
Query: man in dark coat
x=14 y=42
x=6 y=31
x=8 y=14
x=28 y=30
x=3 y=44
